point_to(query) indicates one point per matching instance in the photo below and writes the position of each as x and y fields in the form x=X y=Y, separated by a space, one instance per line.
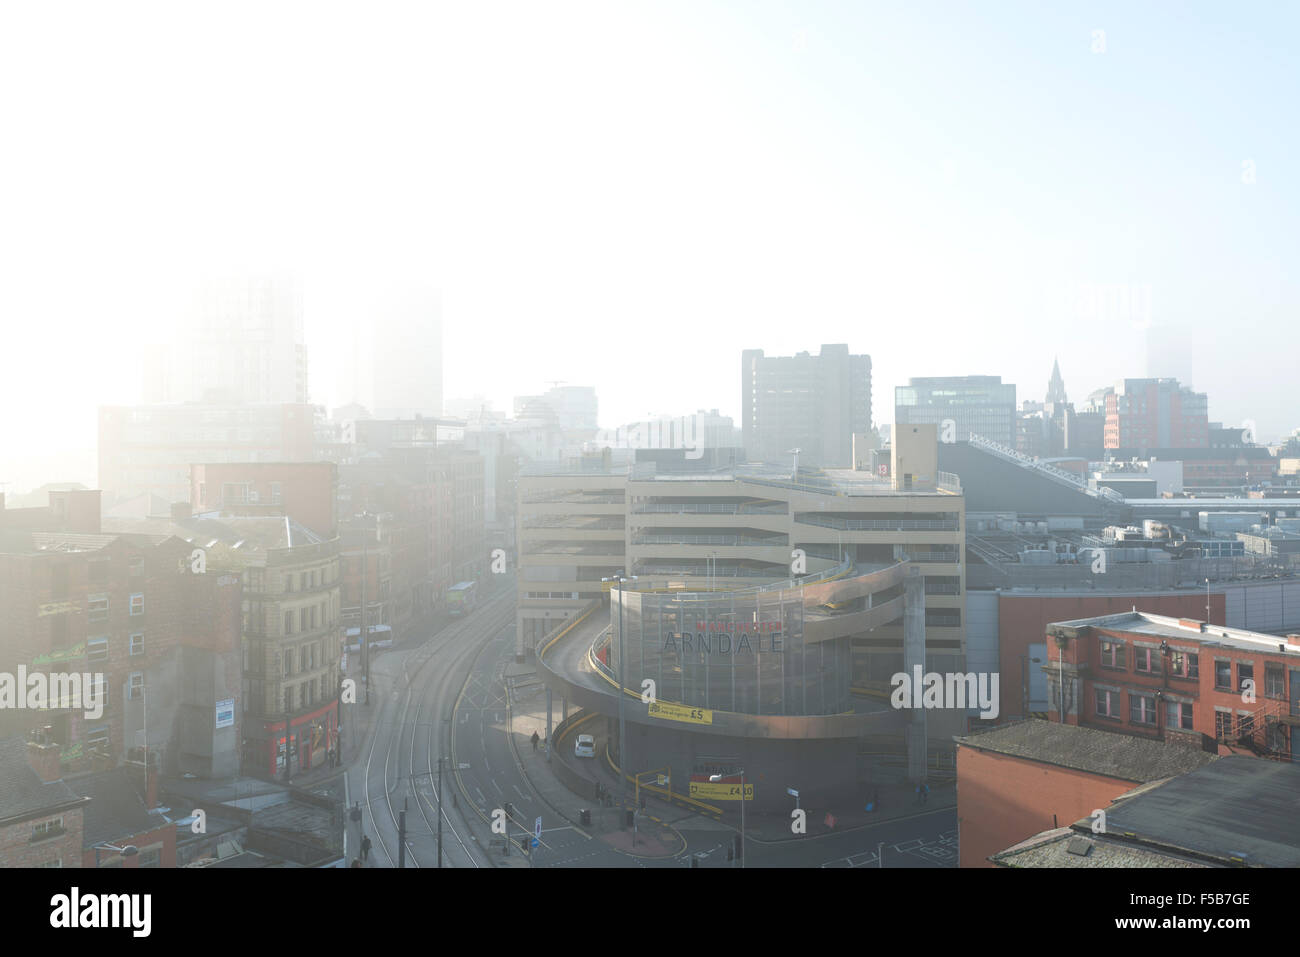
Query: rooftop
x=22 y=792
x=1087 y=749
x=116 y=809
x=1161 y=626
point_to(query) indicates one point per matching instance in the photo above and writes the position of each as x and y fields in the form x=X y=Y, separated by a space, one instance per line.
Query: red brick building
x=1156 y=414
x=41 y=818
x=1023 y=620
x=122 y=812
x=1161 y=677
x=307 y=492
x=126 y=612
x=1023 y=778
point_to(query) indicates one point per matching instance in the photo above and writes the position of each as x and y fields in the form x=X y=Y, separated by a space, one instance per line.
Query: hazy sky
x=625 y=195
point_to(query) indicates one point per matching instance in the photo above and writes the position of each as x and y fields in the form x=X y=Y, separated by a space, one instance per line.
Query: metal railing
x=1051 y=471
x=655 y=538
x=881 y=524
x=700 y=508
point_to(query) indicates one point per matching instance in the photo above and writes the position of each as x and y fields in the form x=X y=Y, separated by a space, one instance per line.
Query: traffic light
x=731 y=853
x=695 y=862
x=739 y=851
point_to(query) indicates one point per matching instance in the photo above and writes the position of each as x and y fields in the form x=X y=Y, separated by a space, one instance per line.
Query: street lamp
x=363 y=633
x=718 y=777
x=621 y=579
x=128 y=851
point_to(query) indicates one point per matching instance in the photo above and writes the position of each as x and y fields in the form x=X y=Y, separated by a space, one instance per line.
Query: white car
x=585 y=746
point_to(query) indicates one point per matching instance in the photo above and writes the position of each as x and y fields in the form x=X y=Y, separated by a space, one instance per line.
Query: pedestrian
x=365 y=847
x=925 y=793
x=918 y=794
x=535 y=740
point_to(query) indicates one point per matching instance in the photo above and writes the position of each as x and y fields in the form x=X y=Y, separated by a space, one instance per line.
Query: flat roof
x=1237 y=807
x=1092 y=750
x=1162 y=626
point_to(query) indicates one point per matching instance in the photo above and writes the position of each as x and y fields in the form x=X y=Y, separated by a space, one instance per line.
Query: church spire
x=1056 y=386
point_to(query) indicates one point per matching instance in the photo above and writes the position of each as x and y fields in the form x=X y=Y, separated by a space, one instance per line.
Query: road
x=414 y=691
x=455 y=681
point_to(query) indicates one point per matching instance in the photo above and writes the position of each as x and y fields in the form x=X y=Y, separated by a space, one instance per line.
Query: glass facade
x=739 y=651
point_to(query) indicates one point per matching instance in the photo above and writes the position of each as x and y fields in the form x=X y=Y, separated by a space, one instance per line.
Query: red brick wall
x=1023 y=620
x=17 y=849
x=166 y=835
x=308 y=490
x=1002 y=800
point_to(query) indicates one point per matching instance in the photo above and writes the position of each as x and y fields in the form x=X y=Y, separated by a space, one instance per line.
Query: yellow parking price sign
x=720 y=790
x=680 y=712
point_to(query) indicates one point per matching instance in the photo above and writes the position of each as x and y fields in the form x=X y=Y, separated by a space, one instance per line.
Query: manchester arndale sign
x=727 y=638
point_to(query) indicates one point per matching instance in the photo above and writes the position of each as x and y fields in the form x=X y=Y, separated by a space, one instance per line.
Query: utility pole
x=288 y=742
x=401 y=835
x=440 y=810
x=365 y=642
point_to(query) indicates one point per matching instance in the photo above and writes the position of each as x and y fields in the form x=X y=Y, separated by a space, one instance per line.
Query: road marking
x=522 y=796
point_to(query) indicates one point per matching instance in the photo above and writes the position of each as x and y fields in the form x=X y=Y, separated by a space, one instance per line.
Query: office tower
x=1146 y=414
x=243 y=342
x=982 y=404
x=812 y=403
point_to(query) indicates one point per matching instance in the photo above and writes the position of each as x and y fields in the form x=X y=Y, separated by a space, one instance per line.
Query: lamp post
x=718 y=777
x=621 y=579
x=363 y=633
x=128 y=851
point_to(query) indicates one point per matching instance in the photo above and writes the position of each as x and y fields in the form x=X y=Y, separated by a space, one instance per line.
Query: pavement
x=661 y=830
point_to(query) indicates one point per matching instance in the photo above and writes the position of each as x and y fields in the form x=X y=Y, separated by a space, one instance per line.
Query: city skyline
x=828 y=180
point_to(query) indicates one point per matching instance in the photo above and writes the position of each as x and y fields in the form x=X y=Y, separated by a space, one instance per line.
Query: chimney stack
x=43 y=755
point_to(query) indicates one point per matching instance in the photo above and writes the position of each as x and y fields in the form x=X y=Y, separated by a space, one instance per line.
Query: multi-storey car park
x=762 y=599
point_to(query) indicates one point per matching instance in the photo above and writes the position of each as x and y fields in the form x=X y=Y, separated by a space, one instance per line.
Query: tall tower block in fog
x=812 y=403
x=241 y=342
x=404 y=359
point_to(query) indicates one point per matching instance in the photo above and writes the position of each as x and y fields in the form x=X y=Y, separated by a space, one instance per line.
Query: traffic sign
x=792 y=792
x=534 y=842
x=537 y=831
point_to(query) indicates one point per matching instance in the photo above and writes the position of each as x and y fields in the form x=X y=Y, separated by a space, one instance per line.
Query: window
x=275 y=493
x=135 y=687
x=1245 y=725
x=136 y=567
x=137 y=644
x=50 y=828
x=314 y=610
x=1185 y=664
x=302 y=582
x=97 y=607
x=1146 y=661
x=1178 y=714
x=1108 y=704
x=1222 y=725
x=288 y=623
x=1223 y=675
x=288 y=697
x=1274 y=681
x=288 y=662
x=97 y=738
x=302 y=619
x=96 y=649
x=137 y=603
x=57 y=862
x=1141 y=709
x=1112 y=655
x=1245 y=672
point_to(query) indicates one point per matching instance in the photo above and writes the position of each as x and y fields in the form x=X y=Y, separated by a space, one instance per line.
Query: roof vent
x=1079 y=846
